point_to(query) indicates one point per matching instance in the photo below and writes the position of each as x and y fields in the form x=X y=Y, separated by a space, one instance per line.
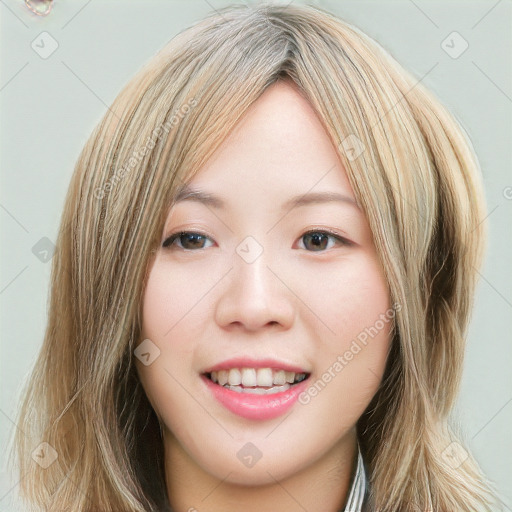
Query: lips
x=256 y=389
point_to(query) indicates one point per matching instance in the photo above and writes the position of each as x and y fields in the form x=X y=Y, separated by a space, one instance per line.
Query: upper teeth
x=251 y=377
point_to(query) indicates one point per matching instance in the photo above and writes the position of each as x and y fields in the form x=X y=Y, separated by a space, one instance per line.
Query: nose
x=255 y=296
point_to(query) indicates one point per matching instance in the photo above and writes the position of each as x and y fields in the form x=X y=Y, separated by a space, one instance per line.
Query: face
x=261 y=292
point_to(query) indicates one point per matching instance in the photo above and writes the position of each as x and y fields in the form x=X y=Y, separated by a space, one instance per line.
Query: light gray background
x=50 y=105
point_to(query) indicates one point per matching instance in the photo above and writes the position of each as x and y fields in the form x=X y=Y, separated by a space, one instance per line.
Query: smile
x=256 y=380
x=256 y=393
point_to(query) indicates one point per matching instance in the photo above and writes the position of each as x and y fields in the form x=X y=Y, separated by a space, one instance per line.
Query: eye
x=319 y=239
x=189 y=240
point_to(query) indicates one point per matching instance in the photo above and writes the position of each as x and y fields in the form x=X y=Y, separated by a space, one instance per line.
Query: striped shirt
x=358 y=491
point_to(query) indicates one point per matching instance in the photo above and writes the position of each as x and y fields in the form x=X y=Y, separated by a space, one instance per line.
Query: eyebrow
x=187 y=193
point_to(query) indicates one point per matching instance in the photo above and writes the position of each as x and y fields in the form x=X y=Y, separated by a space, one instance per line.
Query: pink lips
x=256 y=407
x=252 y=406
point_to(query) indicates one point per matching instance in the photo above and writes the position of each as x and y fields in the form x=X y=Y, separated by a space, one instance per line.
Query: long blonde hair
x=416 y=178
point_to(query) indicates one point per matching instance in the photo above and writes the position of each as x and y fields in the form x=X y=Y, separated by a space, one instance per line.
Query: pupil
x=195 y=239
x=315 y=237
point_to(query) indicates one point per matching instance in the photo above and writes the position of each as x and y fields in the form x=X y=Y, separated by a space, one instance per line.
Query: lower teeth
x=258 y=391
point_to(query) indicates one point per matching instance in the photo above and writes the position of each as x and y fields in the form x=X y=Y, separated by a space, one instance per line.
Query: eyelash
x=169 y=241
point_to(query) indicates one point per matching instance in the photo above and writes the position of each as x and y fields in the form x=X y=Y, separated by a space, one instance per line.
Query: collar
x=358 y=490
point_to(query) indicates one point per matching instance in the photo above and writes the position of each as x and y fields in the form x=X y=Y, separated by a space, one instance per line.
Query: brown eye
x=187 y=240
x=318 y=240
x=314 y=241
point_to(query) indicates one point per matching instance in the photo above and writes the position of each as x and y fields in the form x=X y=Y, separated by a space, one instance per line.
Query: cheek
x=167 y=298
x=349 y=372
x=174 y=310
x=171 y=322
x=347 y=296
x=365 y=322
x=355 y=305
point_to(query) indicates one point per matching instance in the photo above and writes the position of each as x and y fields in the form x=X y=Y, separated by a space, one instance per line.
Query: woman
x=262 y=284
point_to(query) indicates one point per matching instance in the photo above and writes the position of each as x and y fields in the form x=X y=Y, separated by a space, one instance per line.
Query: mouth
x=256 y=381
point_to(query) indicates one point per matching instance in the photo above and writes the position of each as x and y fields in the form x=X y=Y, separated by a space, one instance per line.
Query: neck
x=326 y=480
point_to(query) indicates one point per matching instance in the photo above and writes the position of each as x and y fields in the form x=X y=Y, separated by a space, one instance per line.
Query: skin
x=297 y=302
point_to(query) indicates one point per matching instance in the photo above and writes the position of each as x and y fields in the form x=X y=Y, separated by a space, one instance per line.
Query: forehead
x=279 y=148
